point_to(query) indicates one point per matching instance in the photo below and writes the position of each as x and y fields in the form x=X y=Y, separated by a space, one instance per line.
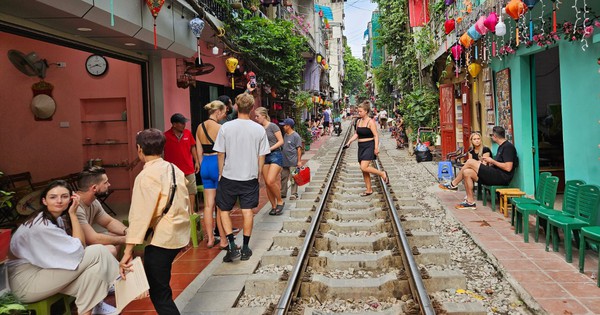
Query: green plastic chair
x=589 y=234
x=492 y=191
x=568 y=206
x=588 y=200
x=194 y=224
x=539 y=190
x=44 y=307
x=524 y=210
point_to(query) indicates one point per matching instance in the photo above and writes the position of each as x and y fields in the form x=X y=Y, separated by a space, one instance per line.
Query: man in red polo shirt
x=180 y=149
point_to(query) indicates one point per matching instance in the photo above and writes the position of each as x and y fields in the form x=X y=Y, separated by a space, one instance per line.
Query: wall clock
x=96 y=65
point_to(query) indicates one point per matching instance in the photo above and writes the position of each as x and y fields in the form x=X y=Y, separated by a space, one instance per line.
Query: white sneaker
x=104 y=309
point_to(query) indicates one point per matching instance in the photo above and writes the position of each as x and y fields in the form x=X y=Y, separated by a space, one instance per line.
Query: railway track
x=343 y=253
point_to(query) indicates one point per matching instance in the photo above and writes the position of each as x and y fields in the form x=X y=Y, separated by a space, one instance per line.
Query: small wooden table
x=506 y=193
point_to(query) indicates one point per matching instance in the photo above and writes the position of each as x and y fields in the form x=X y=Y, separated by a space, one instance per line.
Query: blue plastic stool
x=445 y=171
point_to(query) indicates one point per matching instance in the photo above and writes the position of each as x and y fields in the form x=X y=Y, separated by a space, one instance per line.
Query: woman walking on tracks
x=368 y=146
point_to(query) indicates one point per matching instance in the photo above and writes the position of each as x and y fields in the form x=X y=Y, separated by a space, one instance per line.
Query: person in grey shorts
x=292 y=153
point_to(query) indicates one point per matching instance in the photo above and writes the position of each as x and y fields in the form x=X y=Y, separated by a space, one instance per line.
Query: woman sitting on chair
x=478 y=150
x=44 y=260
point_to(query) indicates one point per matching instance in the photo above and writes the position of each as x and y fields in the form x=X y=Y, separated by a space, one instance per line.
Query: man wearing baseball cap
x=292 y=151
x=180 y=149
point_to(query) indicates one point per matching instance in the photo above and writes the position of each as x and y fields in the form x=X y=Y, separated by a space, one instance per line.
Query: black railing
x=215 y=8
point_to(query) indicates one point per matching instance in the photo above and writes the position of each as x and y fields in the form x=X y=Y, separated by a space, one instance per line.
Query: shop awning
x=327 y=13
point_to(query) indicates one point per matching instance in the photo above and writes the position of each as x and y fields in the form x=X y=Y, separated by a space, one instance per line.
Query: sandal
x=279 y=209
x=273 y=211
x=226 y=247
x=211 y=245
x=364 y=194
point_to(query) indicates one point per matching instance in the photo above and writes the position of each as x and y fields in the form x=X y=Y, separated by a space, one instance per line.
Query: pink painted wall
x=42 y=147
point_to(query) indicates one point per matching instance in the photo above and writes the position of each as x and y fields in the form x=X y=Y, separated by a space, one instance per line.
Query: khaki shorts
x=191 y=184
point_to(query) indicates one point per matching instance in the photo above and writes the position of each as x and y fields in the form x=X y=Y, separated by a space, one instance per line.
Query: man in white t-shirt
x=93 y=183
x=242 y=145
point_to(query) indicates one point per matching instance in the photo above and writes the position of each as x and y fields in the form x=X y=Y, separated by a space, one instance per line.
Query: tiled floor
x=190 y=263
x=556 y=285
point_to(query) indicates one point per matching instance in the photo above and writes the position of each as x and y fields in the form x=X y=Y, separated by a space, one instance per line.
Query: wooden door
x=447 y=119
x=466 y=114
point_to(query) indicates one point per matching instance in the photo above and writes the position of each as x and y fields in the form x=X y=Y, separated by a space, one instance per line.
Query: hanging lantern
x=323 y=62
x=491 y=21
x=197 y=25
x=466 y=40
x=474 y=69
x=459 y=19
x=319 y=58
x=515 y=9
x=449 y=2
x=500 y=29
x=480 y=27
x=320 y=13
x=155 y=6
x=456 y=51
x=231 y=64
x=449 y=26
x=472 y=32
x=530 y=3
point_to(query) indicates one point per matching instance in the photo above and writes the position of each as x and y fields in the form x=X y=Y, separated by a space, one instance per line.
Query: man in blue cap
x=292 y=151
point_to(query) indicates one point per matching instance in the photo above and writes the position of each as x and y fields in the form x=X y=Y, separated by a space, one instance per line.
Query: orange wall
x=42 y=147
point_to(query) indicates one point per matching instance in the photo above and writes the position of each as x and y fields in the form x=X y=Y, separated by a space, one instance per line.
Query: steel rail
x=415 y=280
x=293 y=284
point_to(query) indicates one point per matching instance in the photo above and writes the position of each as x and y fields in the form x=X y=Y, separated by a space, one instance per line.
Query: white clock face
x=96 y=65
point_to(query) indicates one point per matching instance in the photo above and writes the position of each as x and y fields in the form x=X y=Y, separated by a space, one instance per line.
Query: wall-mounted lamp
x=215 y=49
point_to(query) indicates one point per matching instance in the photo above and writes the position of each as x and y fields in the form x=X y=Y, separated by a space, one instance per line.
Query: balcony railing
x=214 y=8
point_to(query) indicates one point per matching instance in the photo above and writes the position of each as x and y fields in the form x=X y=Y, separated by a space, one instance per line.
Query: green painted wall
x=580 y=98
x=377 y=53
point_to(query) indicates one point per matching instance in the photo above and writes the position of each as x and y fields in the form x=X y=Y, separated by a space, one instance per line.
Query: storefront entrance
x=547 y=116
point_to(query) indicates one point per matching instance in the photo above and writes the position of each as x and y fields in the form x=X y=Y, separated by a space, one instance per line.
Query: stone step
x=369 y=243
x=335 y=214
x=423 y=238
x=350 y=227
x=288 y=240
x=264 y=284
x=464 y=308
x=433 y=256
x=278 y=258
x=444 y=279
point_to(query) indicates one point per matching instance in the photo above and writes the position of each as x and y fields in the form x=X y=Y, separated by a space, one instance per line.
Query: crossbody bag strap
x=171 y=191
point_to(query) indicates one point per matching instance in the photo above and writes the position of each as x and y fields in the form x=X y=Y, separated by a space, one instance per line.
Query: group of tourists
x=57 y=250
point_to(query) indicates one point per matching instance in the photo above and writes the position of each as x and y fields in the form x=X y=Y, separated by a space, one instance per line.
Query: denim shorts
x=275 y=157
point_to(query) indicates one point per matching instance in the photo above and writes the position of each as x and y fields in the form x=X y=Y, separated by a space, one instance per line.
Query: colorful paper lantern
x=155 y=6
x=515 y=9
x=449 y=26
x=456 y=51
x=449 y=2
x=319 y=58
x=530 y=3
x=231 y=64
x=480 y=27
x=472 y=32
x=474 y=69
x=491 y=21
x=196 y=26
x=500 y=29
x=466 y=40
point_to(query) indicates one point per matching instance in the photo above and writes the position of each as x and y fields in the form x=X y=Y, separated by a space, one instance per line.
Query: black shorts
x=228 y=192
x=325 y=124
x=366 y=151
x=491 y=176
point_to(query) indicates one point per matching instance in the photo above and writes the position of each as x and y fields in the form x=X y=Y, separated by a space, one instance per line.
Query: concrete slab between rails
x=472 y=308
x=381 y=287
x=351 y=227
x=367 y=261
x=288 y=240
x=415 y=223
x=369 y=243
x=335 y=214
x=246 y=311
x=423 y=238
x=394 y=310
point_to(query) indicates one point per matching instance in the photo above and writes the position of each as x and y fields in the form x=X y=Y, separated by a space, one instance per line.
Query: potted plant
x=302 y=101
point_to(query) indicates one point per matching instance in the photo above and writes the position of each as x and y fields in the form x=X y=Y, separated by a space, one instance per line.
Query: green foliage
x=385 y=80
x=9 y=304
x=355 y=77
x=275 y=48
x=424 y=42
x=5 y=197
x=303 y=100
x=420 y=108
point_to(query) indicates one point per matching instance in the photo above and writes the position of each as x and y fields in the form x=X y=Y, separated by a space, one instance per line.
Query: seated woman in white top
x=44 y=260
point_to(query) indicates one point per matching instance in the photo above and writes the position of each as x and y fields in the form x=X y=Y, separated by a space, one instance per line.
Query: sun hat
x=43 y=106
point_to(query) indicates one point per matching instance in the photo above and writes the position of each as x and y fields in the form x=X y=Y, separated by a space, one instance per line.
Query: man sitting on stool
x=496 y=171
x=93 y=183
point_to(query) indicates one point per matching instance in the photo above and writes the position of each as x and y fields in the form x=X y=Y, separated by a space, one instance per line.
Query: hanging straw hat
x=43 y=106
